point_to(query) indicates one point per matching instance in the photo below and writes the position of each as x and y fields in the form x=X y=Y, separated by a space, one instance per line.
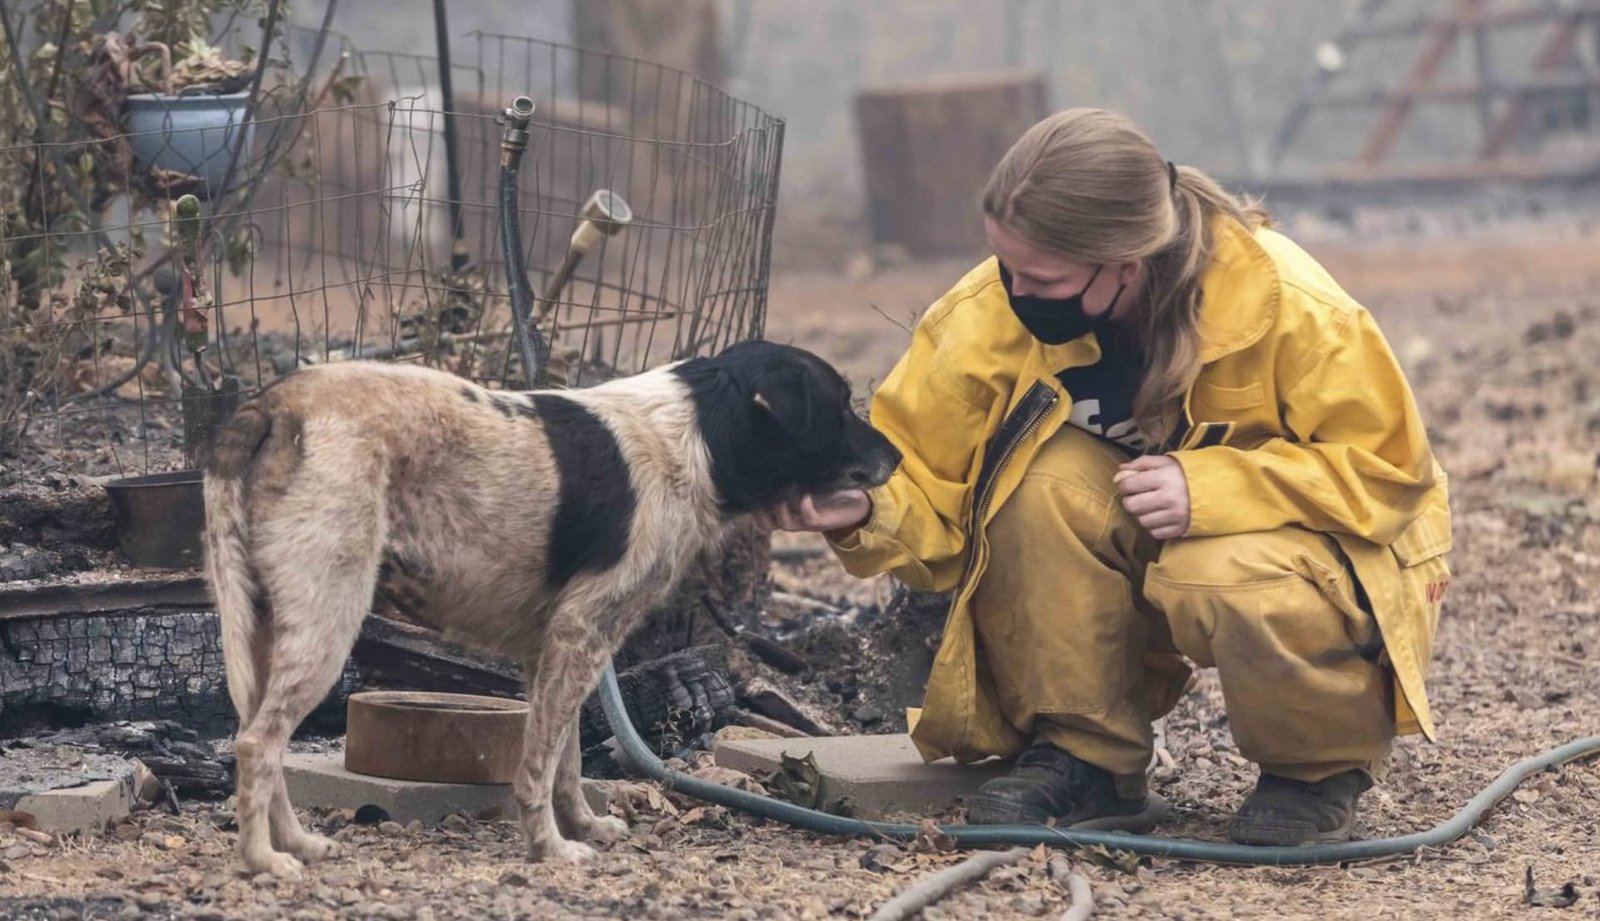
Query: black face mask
x=1054 y=320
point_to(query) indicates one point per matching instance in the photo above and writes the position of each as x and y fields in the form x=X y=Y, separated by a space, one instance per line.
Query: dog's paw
x=279 y=864
x=605 y=829
x=314 y=848
x=563 y=851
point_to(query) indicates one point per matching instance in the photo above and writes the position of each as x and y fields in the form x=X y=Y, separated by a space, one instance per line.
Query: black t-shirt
x=1102 y=393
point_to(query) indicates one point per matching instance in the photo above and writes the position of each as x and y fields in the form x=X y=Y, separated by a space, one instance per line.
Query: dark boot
x=1048 y=783
x=1290 y=813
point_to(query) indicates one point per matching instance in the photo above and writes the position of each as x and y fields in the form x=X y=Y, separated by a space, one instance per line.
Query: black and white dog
x=539 y=525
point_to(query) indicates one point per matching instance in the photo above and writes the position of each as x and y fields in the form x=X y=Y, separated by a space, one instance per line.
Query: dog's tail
x=240 y=599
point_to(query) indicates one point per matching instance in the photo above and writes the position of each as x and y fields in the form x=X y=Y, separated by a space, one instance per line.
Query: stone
x=880 y=774
x=85 y=809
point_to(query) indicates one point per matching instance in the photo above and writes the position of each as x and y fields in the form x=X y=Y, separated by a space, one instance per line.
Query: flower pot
x=189 y=134
x=159 y=518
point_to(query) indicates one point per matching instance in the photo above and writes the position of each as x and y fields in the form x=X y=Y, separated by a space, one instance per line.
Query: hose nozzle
x=605 y=214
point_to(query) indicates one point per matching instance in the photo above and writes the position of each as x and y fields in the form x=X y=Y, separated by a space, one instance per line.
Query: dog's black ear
x=784 y=395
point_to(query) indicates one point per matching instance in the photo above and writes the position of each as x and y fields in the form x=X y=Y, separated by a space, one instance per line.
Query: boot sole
x=985 y=810
x=1290 y=836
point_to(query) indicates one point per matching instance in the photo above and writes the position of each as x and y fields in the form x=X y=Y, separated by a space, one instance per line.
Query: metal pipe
x=532 y=349
x=452 y=174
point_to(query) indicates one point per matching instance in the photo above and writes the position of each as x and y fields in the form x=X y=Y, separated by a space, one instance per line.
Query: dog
x=537 y=525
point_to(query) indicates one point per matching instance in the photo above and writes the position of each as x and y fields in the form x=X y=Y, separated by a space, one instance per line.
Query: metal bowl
x=159 y=518
x=439 y=738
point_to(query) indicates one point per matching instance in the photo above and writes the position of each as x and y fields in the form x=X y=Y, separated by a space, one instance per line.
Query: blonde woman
x=1150 y=432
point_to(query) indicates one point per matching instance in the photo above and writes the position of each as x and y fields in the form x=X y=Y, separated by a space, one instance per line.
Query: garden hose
x=1029 y=835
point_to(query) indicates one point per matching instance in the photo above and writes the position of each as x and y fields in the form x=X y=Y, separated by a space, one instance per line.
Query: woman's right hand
x=844 y=510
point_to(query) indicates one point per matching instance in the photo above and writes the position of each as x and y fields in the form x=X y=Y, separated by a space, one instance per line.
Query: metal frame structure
x=1503 y=101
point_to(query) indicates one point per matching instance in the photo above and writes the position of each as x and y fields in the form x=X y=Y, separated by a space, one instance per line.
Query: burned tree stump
x=927 y=150
x=720 y=598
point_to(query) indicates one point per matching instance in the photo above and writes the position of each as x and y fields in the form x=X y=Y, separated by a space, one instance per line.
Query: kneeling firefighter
x=1152 y=432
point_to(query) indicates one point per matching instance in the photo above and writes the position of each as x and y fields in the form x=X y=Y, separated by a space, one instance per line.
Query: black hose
x=535 y=354
x=1029 y=835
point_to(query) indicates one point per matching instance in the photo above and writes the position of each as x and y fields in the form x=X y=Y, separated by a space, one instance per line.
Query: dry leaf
x=1564 y=897
x=931 y=839
x=18 y=818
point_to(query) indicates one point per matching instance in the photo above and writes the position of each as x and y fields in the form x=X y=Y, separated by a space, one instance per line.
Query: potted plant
x=184 y=116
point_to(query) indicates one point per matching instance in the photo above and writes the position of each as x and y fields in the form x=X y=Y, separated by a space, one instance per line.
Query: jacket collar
x=1241 y=292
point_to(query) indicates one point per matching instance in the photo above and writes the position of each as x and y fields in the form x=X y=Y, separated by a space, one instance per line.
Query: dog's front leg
x=573 y=815
x=567 y=668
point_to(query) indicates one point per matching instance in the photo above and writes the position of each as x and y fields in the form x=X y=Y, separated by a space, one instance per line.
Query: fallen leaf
x=18 y=818
x=885 y=858
x=1564 y=897
x=931 y=839
x=1121 y=861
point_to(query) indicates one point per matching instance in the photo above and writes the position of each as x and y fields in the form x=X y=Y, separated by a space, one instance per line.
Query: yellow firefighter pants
x=1084 y=622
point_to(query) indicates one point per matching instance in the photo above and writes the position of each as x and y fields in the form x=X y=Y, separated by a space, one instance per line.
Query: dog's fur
x=537 y=525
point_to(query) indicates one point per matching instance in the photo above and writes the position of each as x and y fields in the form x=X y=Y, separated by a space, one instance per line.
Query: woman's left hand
x=1155 y=491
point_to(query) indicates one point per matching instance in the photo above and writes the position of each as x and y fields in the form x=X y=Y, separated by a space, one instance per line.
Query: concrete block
x=82 y=809
x=882 y=775
x=319 y=780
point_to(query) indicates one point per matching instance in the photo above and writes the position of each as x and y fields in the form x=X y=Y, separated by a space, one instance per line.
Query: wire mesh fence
x=348 y=230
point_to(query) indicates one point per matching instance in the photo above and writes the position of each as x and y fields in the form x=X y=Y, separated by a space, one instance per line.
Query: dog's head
x=782 y=424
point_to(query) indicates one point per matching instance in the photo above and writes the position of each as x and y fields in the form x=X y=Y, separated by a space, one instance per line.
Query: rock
x=414 y=827
x=868 y=715
x=514 y=879
x=455 y=822
x=149 y=900
x=391 y=828
x=17 y=852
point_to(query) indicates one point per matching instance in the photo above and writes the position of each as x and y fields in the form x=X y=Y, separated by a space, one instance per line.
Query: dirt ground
x=1500 y=338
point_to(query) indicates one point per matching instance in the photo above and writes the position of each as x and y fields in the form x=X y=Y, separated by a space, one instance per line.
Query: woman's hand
x=827 y=511
x=1155 y=491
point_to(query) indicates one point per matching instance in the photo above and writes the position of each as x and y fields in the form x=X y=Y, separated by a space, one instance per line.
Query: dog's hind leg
x=567 y=668
x=319 y=560
x=316 y=622
x=573 y=815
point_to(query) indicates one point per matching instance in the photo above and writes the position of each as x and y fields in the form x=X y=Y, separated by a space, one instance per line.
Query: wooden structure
x=1506 y=95
x=927 y=149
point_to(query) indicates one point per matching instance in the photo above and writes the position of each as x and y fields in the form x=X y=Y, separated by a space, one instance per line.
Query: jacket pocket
x=1247 y=397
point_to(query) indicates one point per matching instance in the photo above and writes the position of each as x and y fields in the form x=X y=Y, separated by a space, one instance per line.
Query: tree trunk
x=927 y=150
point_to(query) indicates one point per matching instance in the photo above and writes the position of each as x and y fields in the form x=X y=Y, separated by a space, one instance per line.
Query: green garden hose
x=1027 y=835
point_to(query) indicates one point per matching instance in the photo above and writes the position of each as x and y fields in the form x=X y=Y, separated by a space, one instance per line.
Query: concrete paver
x=881 y=774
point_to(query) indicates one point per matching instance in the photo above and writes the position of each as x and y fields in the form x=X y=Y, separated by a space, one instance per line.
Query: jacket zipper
x=1035 y=416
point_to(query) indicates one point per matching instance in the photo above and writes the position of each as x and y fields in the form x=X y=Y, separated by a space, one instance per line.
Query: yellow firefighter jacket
x=1300 y=416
